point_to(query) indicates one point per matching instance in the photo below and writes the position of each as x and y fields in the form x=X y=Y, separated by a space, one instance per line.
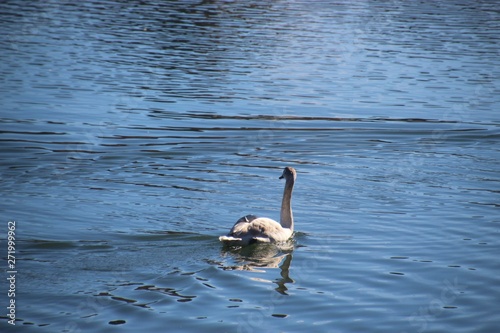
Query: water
x=134 y=134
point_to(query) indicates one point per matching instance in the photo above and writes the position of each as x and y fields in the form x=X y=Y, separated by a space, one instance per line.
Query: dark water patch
x=279 y=315
x=168 y=291
x=235 y=300
x=122 y=299
x=49 y=244
x=165 y=235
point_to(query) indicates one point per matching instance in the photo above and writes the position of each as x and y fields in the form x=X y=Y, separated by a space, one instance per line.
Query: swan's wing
x=257 y=228
x=264 y=226
x=267 y=230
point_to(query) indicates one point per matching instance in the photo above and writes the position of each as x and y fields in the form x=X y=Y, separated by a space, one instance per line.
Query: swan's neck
x=286 y=217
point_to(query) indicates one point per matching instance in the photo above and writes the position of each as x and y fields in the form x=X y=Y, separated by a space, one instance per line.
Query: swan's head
x=289 y=173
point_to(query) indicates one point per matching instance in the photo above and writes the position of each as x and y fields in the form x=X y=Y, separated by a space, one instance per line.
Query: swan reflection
x=259 y=257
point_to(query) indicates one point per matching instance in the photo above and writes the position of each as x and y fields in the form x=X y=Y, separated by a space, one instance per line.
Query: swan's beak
x=281 y=177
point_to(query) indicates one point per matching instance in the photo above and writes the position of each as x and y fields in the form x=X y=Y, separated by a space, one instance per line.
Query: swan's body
x=252 y=229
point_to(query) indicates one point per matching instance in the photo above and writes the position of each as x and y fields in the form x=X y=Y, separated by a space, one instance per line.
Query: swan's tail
x=230 y=239
x=243 y=241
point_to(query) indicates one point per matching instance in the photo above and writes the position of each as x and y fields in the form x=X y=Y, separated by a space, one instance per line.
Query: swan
x=252 y=229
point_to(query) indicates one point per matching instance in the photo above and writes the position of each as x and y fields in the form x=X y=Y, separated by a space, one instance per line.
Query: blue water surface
x=133 y=134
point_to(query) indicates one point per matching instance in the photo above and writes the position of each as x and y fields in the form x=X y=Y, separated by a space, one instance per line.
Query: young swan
x=252 y=229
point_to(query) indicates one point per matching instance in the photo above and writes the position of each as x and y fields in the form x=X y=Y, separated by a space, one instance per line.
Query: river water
x=134 y=133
